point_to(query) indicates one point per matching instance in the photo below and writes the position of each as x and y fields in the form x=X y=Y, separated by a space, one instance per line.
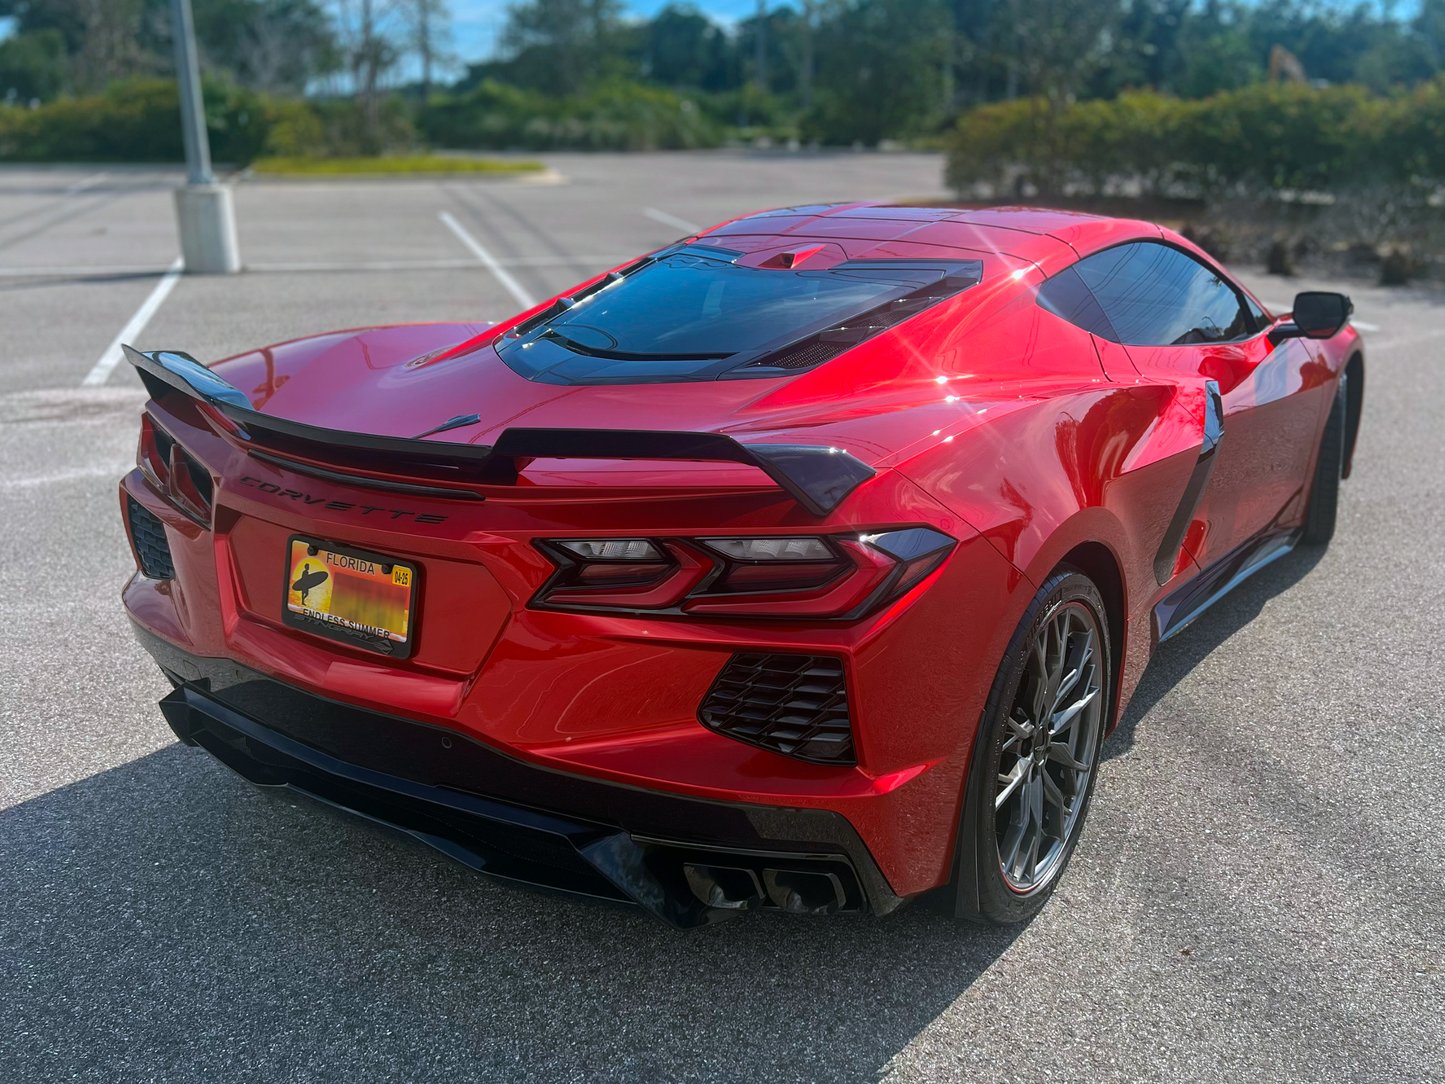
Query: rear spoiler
x=816 y=476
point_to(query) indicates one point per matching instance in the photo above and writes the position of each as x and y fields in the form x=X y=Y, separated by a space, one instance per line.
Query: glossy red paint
x=985 y=418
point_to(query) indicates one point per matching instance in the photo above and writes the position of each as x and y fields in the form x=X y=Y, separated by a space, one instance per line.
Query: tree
x=1057 y=45
x=111 y=44
x=808 y=62
x=430 y=33
x=880 y=69
x=562 y=46
x=262 y=44
x=681 y=47
x=772 y=43
x=369 y=32
x=1216 y=53
x=269 y=45
x=32 y=66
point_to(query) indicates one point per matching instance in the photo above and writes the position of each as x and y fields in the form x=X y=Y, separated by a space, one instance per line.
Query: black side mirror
x=1317 y=315
x=1320 y=315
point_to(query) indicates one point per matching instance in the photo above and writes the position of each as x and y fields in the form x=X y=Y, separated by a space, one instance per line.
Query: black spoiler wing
x=816 y=476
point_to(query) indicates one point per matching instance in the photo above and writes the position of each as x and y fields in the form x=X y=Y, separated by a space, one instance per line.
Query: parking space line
x=107 y=362
x=487 y=260
x=671 y=220
x=85 y=182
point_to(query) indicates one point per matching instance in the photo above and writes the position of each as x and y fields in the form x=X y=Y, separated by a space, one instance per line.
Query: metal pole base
x=208 y=229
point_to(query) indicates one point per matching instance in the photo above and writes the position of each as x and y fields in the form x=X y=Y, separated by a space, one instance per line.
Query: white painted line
x=86 y=182
x=487 y=260
x=1364 y=326
x=671 y=220
x=102 y=369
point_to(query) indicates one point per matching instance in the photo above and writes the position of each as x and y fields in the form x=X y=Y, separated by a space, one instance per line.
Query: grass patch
x=390 y=164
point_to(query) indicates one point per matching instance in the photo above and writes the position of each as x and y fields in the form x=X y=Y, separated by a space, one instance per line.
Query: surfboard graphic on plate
x=360 y=598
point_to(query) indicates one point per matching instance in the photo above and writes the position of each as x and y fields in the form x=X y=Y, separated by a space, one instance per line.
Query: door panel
x=1271 y=407
x=1181 y=320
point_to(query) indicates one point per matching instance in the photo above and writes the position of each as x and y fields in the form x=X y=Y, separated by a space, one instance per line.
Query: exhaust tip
x=729 y=888
x=800 y=892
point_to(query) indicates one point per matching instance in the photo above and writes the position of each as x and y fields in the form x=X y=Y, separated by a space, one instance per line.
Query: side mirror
x=1317 y=315
x=1320 y=315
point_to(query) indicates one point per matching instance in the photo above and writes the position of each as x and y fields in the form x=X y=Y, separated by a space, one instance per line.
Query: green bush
x=614 y=116
x=135 y=121
x=1278 y=136
x=1260 y=138
x=1412 y=132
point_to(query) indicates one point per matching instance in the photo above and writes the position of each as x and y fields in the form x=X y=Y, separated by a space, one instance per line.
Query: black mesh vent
x=791 y=704
x=149 y=536
x=803 y=356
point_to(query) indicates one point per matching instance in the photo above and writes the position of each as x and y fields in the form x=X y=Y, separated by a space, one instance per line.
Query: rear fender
x=1108 y=467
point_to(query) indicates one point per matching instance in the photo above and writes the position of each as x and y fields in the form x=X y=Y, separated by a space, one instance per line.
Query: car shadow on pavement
x=1179 y=656
x=165 y=920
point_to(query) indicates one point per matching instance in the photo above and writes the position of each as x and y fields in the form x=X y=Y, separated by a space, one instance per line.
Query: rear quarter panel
x=1105 y=465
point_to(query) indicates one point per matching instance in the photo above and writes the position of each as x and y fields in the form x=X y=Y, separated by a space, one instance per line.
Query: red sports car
x=802 y=565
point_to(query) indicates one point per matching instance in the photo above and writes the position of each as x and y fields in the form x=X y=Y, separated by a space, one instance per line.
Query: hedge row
x=139 y=121
x=618 y=116
x=1264 y=137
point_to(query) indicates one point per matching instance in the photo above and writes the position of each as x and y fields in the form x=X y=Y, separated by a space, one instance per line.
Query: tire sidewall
x=998 y=902
x=1322 y=510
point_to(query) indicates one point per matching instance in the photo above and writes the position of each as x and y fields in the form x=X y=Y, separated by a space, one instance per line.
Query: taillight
x=919 y=550
x=834 y=577
x=173 y=471
x=776 y=564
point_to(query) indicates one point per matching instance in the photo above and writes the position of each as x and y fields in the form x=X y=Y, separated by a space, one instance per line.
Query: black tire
x=983 y=891
x=1324 y=503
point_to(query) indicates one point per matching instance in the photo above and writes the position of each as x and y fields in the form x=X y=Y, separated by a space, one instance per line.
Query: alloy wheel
x=1051 y=741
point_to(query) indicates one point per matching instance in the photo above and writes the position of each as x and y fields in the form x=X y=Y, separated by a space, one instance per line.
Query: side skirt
x=1176 y=610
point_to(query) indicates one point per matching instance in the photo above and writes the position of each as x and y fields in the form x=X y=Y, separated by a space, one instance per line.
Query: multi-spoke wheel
x=1046 y=760
x=1036 y=754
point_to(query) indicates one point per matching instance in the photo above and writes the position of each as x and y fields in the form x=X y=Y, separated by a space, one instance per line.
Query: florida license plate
x=363 y=599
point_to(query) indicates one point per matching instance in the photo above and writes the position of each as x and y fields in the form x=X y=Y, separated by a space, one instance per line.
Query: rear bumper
x=687 y=861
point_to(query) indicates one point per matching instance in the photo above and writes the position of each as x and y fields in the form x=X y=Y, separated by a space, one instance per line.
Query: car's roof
x=875 y=230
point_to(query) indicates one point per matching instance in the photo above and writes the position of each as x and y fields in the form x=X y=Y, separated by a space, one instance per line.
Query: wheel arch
x=1097 y=561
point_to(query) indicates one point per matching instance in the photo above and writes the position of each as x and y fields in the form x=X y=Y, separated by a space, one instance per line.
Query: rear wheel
x=1036 y=755
x=1329 y=469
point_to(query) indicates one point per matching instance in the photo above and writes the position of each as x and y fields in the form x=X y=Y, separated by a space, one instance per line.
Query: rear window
x=694 y=314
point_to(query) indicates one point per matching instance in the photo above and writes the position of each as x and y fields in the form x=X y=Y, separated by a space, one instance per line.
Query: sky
x=475 y=23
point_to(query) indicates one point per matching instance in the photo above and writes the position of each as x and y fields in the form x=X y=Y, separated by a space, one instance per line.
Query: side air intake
x=796 y=705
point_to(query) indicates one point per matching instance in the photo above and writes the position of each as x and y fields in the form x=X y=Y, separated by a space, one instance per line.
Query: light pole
x=204 y=210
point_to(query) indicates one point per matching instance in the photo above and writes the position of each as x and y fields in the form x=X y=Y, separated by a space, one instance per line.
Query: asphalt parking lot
x=1259 y=894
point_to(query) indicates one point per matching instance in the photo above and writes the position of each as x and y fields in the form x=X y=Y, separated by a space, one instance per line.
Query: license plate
x=363 y=599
